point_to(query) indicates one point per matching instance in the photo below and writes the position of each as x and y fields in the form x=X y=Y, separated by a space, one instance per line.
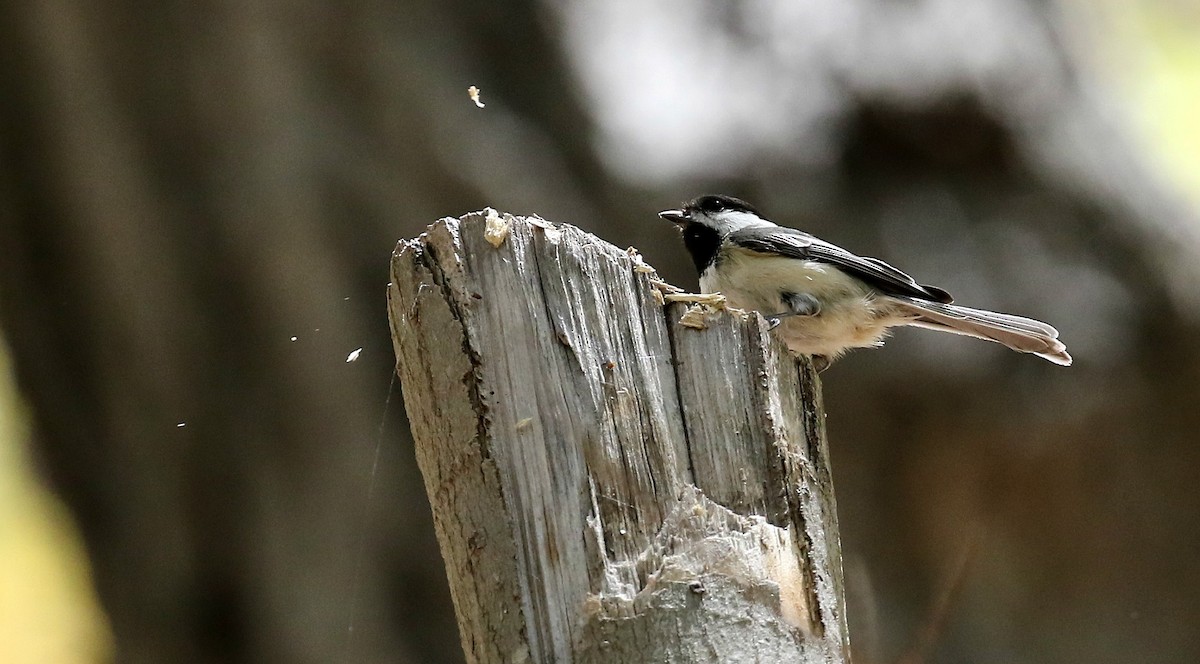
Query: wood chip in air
x=474 y=93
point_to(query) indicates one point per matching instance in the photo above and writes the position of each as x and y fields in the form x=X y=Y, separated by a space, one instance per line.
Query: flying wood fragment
x=474 y=93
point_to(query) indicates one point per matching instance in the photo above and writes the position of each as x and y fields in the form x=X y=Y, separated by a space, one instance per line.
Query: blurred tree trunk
x=185 y=189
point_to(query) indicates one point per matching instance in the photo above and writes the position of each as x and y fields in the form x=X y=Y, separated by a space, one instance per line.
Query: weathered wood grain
x=608 y=485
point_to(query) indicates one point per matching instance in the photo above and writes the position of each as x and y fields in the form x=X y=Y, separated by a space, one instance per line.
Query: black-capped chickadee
x=823 y=300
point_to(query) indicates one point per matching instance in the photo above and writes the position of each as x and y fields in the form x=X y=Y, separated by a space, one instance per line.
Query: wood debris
x=495 y=229
x=473 y=92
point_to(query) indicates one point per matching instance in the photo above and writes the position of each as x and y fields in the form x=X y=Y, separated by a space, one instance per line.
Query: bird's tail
x=1020 y=334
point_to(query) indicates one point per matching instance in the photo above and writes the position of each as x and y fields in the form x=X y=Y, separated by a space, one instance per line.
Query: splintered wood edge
x=445 y=416
x=463 y=442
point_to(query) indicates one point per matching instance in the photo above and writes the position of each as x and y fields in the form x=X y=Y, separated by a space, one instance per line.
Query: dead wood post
x=608 y=485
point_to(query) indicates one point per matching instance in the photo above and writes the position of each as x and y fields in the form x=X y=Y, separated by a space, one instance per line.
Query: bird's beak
x=676 y=216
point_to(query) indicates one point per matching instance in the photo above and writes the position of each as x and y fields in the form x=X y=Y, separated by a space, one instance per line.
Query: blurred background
x=198 y=202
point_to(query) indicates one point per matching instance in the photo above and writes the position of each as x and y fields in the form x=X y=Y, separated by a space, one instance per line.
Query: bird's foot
x=800 y=304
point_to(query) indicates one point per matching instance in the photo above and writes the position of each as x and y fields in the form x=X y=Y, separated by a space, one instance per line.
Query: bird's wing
x=789 y=242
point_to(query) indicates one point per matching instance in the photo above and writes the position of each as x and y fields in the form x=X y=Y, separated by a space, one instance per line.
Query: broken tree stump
x=607 y=484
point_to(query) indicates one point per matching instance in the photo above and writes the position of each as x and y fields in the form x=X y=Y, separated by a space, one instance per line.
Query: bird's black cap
x=709 y=204
x=719 y=203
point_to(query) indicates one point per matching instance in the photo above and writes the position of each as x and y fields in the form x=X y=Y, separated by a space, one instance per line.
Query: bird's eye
x=712 y=205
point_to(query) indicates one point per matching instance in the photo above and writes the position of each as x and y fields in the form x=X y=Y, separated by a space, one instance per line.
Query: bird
x=823 y=300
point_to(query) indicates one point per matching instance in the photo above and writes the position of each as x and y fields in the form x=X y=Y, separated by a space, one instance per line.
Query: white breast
x=851 y=316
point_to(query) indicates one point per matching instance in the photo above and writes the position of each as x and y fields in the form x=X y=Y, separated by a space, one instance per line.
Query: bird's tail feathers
x=1020 y=334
